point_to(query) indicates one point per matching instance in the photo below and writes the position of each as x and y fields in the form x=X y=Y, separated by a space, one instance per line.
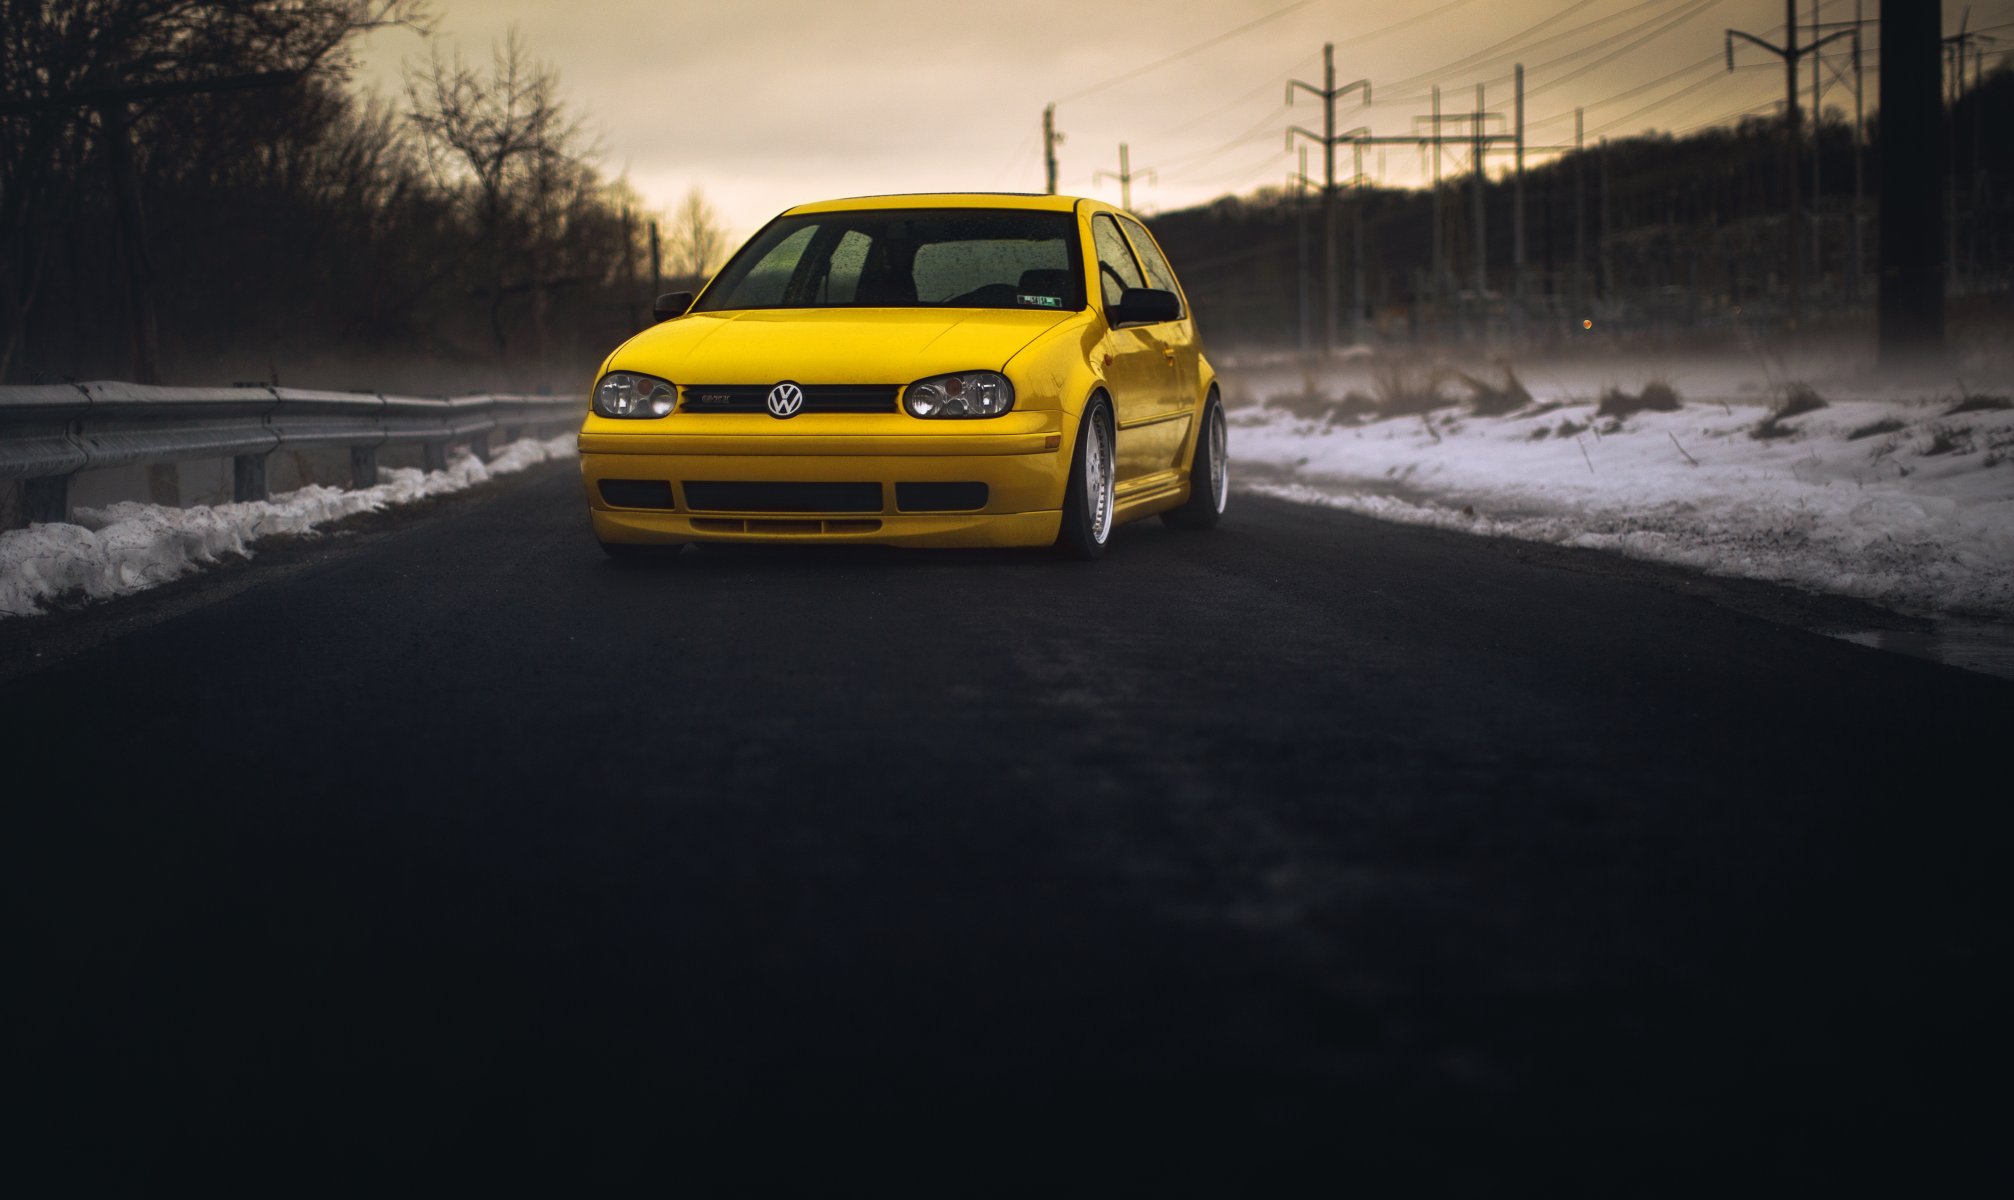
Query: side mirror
x=1144 y=306
x=671 y=304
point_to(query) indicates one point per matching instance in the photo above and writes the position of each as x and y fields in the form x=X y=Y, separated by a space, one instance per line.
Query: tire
x=1090 y=496
x=634 y=552
x=1209 y=474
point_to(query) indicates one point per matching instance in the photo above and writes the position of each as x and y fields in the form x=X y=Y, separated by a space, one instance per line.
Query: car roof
x=1032 y=201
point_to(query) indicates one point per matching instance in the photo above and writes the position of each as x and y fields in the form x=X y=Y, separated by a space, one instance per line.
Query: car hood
x=846 y=345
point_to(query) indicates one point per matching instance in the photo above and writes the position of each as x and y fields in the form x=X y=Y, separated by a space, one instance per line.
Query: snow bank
x=127 y=547
x=1894 y=499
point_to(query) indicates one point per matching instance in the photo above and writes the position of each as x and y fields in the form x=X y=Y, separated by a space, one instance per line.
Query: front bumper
x=1020 y=458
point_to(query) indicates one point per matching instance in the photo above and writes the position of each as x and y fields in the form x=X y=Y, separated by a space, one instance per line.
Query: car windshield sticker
x=1041 y=301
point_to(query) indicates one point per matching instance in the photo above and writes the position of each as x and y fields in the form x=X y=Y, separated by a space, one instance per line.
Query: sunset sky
x=768 y=103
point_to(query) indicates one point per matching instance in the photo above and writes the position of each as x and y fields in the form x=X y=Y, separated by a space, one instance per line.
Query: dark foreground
x=1308 y=856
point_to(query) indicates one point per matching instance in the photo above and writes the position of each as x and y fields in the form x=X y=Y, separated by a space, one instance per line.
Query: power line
x=1660 y=102
x=1698 y=7
x=1509 y=47
x=1179 y=55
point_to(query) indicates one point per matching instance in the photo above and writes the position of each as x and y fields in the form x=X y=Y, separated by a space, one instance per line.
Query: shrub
x=1948 y=439
x=1875 y=429
x=1656 y=396
x=1798 y=398
x=1402 y=390
x=1486 y=399
x=1313 y=406
x=1979 y=403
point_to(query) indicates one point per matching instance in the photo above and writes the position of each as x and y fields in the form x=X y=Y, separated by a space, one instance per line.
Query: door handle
x=1168 y=352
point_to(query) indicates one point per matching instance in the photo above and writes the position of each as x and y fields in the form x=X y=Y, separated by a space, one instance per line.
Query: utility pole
x=1817 y=149
x=1050 y=140
x=1357 y=248
x=1579 y=213
x=1855 y=258
x=1439 y=257
x=656 y=264
x=1301 y=183
x=1479 y=140
x=1125 y=175
x=1481 y=215
x=1517 y=211
x=1956 y=47
x=1601 y=237
x=1853 y=261
x=1911 y=303
x=1793 y=126
x=1329 y=93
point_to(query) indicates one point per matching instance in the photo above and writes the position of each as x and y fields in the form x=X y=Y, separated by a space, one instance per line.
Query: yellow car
x=932 y=370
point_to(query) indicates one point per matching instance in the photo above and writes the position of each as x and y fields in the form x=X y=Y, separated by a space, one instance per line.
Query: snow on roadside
x=1917 y=515
x=128 y=547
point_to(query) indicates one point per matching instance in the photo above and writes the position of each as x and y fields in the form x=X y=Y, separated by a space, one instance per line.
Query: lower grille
x=774 y=525
x=636 y=493
x=940 y=497
x=709 y=496
x=818 y=397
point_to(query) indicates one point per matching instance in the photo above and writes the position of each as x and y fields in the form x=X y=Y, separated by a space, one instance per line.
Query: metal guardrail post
x=434 y=455
x=363 y=466
x=248 y=477
x=47 y=500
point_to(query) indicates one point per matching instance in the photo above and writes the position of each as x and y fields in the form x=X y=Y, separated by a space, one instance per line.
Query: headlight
x=967 y=394
x=623 y=394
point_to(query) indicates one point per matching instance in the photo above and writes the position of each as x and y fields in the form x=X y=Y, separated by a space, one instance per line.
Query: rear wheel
x=1090 y=496
x=1209 y=474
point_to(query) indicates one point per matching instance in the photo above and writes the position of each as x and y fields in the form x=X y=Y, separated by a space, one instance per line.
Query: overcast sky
x=769 y=103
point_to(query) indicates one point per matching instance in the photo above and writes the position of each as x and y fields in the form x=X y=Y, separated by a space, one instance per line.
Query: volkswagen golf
x=932 y=370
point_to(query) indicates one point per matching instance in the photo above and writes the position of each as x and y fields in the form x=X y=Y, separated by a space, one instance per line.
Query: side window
x=1163 y=276
x=842 y=273
x=1116 y=269
x=769 y=279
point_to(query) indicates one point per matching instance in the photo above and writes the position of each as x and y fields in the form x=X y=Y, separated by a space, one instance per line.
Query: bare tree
x=698 y=240
x=506 y=142
x=66 y=62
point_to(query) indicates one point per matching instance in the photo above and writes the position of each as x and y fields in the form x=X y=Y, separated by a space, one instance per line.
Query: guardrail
x=49 y=432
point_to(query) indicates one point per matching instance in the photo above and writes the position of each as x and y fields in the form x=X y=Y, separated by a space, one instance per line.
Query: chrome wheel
x=1220 y=460
x=1099 y=480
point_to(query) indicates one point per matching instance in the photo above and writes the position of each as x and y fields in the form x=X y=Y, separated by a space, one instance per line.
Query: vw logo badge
x=785 y=399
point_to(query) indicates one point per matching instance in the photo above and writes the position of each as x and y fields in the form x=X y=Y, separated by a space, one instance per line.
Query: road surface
x=1308 y=852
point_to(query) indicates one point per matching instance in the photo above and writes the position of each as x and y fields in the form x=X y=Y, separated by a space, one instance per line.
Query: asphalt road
x=1304 y=856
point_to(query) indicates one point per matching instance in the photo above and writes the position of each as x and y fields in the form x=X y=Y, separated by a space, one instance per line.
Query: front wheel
x=1209 y=474
x=1091 y=495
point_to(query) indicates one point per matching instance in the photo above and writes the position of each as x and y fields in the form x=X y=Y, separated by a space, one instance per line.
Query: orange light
x=1053 y=442
x=1587 y=324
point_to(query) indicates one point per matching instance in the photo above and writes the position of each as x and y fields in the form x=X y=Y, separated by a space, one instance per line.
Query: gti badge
x=785 y=399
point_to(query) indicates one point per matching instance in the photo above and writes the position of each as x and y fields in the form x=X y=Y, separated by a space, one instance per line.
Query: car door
x=1138 y=371
x=1178 y=341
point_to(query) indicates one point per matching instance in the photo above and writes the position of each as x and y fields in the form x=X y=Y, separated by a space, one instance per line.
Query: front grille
x=713 y=496
x=818 y=397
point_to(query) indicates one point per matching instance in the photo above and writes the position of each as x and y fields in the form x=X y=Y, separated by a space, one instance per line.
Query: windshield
x=912 y=258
